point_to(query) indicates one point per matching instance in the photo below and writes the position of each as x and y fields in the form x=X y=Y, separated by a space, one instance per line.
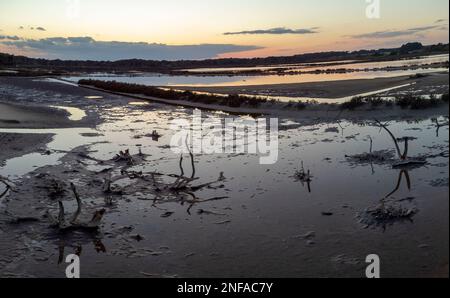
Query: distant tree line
x=56 y=66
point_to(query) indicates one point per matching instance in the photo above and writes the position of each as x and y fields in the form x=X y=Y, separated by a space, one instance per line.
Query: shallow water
x=218 y=81
x=211 y=81
x=75 y=114
x=336 y=64
x=256 y=230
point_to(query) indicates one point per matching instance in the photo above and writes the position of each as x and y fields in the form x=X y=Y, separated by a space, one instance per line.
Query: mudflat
x=18 y=116
x=14 y=145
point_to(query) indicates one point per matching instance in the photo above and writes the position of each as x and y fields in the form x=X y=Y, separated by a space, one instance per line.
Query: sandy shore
x=332 y=89
x=19 y=116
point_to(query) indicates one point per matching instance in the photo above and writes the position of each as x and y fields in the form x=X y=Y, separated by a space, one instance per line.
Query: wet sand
x=258 y=230
x=15 y=145
x=18 y=116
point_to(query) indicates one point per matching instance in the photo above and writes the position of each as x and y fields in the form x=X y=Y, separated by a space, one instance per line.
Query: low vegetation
x=407 y=101
x=234 y=101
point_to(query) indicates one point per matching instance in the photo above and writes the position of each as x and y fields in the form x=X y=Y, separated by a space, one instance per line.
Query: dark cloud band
x=275 y=31
x=87 y=48
x=395 y=33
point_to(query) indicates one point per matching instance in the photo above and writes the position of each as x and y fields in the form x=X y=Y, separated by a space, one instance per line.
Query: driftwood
x=85 y=156
x=8 y=187
x=404 y=161
x=439 y=125
x=182 y=189
x=124 y=156
x=73 y=223
x=305 y=177
x=155 y=136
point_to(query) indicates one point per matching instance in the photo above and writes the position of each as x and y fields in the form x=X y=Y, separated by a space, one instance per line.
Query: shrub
x=234 y=101
x=375 y=101
x=301 y=106
x=353 y=104
x=415 y=102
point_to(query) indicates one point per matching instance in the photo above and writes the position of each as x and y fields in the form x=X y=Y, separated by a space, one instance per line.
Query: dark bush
x=416 y=102
x=353 y=104
x=375 y=101
x=301 y=106
x=234 y=101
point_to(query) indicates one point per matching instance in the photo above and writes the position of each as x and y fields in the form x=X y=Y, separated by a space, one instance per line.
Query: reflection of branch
x=98 y=246
x=192 y=158
x=181 y=165
x=399 y=182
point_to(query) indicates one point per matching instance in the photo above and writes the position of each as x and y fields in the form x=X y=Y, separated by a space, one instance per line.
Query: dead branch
x=155 y=136
x=8 y=187
x=371 y=144
x=439 y=125
x=192 y=158
x=85 y=156
x=383 y=126
x=79 y=204
x=73 y=224
x=304 y=177
x=124 y=156
x=404 y=160
x=201 y=186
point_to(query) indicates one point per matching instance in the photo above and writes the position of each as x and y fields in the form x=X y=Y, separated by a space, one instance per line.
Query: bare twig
x=181 y=165
x=79 y=204
x=192 y=158
x=383 y=126
x=371 y=144
x=8 y=187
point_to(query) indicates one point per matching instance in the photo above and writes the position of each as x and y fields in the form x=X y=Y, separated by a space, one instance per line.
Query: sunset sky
x=196 y=29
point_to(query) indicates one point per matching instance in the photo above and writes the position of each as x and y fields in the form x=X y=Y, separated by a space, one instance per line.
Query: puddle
x=139 y=103
x=63 y=140
x=75 y=114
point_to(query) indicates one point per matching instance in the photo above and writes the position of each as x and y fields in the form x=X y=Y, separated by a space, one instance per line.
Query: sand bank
x=332 y=89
